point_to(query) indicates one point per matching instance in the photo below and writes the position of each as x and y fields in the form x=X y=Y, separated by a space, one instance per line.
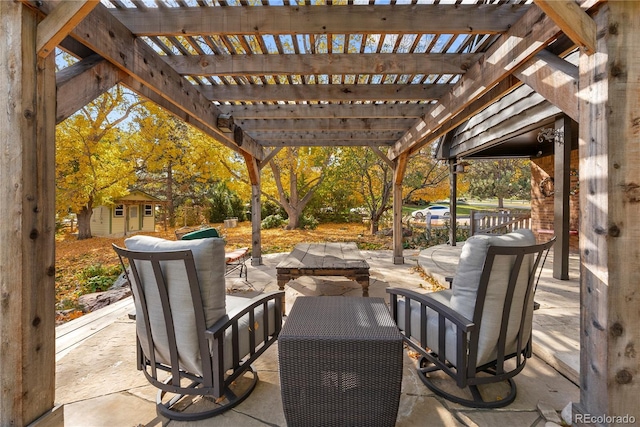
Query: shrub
x=272 y=221
x=268 y=207
x=434 y=236
x=224 y=203
x=308 y=222
x=98 y=278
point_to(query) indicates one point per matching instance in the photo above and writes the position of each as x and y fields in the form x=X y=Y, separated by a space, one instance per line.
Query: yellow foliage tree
x=92 y=167
x=296 y=174
x=174 y=159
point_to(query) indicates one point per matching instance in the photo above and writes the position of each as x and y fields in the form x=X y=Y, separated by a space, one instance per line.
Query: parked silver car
x=436 y=211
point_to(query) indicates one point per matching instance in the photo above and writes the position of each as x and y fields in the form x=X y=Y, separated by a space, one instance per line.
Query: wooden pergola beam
x=59 y=23
x=573 y=21
x=322 y=92
x=322 y=137
x=270 y=155
x=532 y=33
x=347 y=19
x=319 y=111
x=382 y=155
x=83 y=82
x=348 y=63
x=553 y=78
x=310 y=142
x=324 y=124
x=106 y=36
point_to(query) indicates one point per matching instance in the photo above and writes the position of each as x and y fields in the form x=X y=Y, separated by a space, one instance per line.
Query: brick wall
x=542 y=169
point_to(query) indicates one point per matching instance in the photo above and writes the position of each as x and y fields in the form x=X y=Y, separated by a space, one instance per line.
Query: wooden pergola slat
x=324 y=92
x=274 y=20
x=341 y=63
x=324 y=124
x=334 y=111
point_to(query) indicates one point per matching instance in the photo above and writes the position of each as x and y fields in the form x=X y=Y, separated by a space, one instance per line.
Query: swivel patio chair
x=193 y=339
x=478 y=332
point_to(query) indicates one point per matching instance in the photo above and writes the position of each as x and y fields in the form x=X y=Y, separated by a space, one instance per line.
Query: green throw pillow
x=201 y=234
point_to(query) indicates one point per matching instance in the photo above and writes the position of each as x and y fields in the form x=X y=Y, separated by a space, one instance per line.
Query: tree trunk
x=375 y=224
x=500 y=202
x=294 y=219
x=169 y=194
x=84 y=222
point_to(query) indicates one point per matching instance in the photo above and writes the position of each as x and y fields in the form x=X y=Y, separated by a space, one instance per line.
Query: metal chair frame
x=464 y=370
x=214 y=381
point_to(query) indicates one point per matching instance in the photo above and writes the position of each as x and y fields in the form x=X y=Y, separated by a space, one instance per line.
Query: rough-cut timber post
x=256 y=237
x=400 y=167
x=27 y=223
x=561 y=184
x=609 y=227
x=453 y=202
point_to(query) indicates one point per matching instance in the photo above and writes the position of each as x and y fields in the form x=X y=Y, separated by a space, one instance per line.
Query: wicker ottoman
x=340 y=363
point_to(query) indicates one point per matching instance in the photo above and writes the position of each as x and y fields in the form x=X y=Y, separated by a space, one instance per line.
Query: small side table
x=340 y=363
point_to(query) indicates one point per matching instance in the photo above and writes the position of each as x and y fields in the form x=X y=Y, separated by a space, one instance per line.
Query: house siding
x=101 y=221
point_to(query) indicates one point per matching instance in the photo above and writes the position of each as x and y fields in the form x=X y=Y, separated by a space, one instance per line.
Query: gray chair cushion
x=432 y=325
x=210 y=266
x=244 y=328
x=465 y=288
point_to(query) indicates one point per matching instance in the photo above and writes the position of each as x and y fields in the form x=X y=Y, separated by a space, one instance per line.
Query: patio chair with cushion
x=194 y=339
x=478 y=332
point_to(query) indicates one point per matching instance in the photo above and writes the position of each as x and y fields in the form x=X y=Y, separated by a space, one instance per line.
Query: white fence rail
x=485 y=222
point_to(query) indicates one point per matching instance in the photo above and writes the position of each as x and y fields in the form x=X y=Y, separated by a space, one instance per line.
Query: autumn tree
x=503 y=179
x=426 y=178
x=297 y=173
x=294 y=176
x=92 y=167
x=372 y=178
x=175 y=160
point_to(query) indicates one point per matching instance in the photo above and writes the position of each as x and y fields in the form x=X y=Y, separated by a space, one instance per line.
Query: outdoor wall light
x=460 y=166
x=551 y=134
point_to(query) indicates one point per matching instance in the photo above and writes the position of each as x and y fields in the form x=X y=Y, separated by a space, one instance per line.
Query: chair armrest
x=233 y=316
x=257 y=344
x=448 y=313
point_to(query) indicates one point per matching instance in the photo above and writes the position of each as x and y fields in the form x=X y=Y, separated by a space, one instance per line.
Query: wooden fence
x=487 y=222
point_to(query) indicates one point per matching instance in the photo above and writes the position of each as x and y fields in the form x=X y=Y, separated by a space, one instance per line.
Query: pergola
x=390 y=75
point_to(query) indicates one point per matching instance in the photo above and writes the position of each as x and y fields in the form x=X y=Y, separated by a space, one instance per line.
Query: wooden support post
x=453 y=201
x=472 y=222
x=27 y=223
x=562 y=183
x=609 y=147
x=400 y=167
x=256 y=208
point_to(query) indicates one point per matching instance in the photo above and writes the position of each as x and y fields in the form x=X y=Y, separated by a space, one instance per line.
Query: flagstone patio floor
x=98 y=385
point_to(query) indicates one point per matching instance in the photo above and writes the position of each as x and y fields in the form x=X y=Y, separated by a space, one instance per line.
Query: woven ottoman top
x=336 y=317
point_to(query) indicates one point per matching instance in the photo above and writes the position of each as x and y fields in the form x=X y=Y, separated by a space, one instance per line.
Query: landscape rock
x=120 y=282
x=567 y=414
x=96 y=300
